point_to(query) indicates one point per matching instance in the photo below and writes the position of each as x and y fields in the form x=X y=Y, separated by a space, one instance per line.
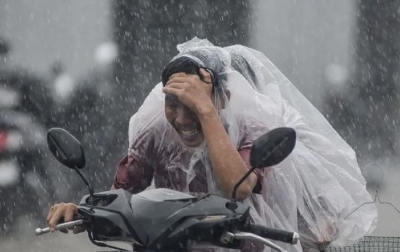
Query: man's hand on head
x=192 y=91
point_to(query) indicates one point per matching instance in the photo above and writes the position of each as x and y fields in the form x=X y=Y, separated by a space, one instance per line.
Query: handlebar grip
x=275 y=234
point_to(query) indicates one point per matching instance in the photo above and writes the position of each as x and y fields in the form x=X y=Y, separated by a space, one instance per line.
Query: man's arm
x=228 y=165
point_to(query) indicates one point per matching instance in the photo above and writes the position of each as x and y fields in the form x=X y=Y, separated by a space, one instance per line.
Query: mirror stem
x=87 y=185
x=240 y=182
x=252 y=169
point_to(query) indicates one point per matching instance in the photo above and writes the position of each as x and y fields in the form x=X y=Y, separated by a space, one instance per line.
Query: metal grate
x=371 y=244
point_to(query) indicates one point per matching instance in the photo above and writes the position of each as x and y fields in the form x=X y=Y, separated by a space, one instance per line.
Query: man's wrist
x=206 y=111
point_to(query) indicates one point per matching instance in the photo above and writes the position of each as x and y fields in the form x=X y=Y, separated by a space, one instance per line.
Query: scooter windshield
x=164 y=194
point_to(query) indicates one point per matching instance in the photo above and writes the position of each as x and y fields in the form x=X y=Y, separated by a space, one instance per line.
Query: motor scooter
x=186 y=221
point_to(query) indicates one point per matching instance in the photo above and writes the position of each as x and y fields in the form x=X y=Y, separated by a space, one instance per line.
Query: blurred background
x=86 y=66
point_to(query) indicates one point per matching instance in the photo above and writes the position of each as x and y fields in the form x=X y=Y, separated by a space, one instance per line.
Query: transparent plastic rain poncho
x=310 y=192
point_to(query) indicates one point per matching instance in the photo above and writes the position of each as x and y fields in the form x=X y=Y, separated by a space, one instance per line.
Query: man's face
x=185 y=122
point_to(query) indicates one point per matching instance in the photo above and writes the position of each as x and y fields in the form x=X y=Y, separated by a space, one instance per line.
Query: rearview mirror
x=268 y=150
x=273 y=147
x=66 y=148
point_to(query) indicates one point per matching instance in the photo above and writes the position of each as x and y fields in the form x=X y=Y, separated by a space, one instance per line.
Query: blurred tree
x=367 y=113
x=83 y=109
x=147 y=33
x=34 y=98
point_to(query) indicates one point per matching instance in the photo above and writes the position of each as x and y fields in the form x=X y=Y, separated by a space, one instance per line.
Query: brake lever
x=62 y=226
x=227 y=237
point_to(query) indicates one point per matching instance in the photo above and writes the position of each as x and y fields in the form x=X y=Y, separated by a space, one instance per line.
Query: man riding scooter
x=194 y=133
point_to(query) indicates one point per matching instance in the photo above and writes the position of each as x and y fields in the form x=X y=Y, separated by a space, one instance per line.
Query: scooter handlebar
x=275 y=234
